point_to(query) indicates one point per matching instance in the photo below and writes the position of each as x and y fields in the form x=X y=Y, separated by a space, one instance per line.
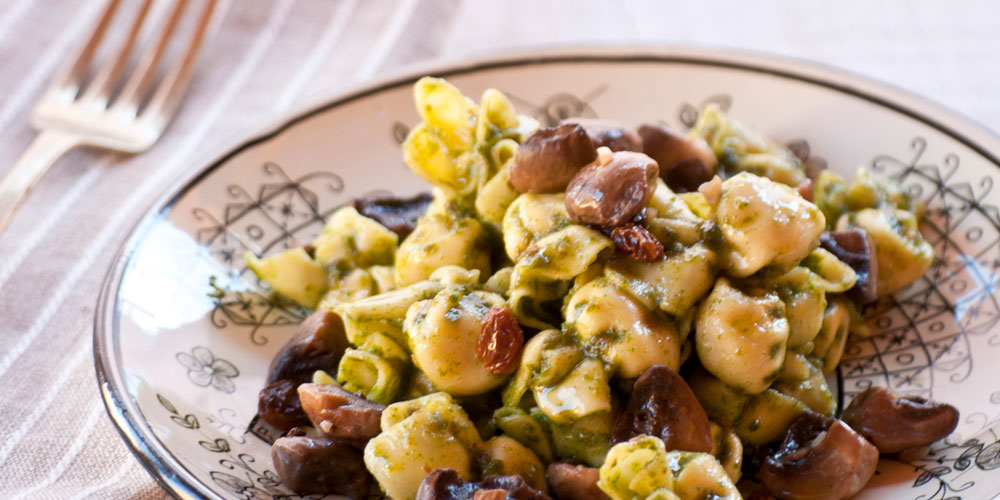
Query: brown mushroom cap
x=574 y=482
x=339 y=413
x=662 y=405
x=894 y=423
x=399 y=215
x=446 y=484
x=855 y=248
x=319 y=465
x=318 y=345
x=821 y=458
x=613 y=135
x=609 y=195
x=550 y=157
x=685 y=163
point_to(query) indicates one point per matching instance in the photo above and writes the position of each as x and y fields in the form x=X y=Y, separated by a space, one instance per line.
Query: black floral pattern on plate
x=204 y=369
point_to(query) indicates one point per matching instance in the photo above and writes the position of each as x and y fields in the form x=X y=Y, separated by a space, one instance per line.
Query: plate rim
x=123 y=409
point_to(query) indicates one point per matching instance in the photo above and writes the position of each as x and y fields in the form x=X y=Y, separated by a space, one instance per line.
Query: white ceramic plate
x=180 y=366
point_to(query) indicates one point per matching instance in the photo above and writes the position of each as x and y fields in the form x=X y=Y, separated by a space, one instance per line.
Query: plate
x=183 y=335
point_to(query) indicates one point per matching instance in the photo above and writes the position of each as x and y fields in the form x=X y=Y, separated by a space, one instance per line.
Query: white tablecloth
x=269 y=56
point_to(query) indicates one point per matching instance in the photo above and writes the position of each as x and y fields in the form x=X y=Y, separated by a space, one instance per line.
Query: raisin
x=637 y=242
x=500 y=341
x=279 y=405
x=806 y=190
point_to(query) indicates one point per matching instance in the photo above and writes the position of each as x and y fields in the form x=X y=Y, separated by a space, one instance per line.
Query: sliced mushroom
x=608 y=133
x=320 y=465
x=574 y=482
x=855 y=248
x=550 y=157
x=446 y=484
x=318 y=345
x=610 y=194
x=340 y=413
x=278 y=404
x=662 y=405
x=821 y=458
x=685 y=162
x=399 y=215
x=894 y=423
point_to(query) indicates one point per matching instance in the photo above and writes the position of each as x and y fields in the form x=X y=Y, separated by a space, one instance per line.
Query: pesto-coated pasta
x=507 y=329
x=674 y=284
x=442 y=238
x=544 y=270
x=628 y=336
x=741 y=337
x=442 y=334
x=414 y=441
x=742 y=149
x=903 y=255
x=530 y=217
x=351 y=240
x=755 y=209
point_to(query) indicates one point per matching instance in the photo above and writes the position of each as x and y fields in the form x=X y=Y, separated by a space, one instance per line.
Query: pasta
x=512 y=330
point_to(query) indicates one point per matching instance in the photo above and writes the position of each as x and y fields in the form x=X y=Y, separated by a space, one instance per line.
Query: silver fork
x=74 y=113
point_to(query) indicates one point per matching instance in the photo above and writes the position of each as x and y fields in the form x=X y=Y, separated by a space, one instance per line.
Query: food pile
x=592 y=311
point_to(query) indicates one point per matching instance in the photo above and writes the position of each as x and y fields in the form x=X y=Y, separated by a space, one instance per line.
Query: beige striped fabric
x=267 y=57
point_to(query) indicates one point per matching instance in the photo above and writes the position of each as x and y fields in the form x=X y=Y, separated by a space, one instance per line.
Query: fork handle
x=41 y=154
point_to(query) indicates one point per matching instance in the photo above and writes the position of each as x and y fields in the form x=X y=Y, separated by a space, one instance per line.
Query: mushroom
x=340 y=413
x=446 y=484
x=550 y=157
x=399 y=215
x=574 y=482
x=821 y=458
x=318 y=345
x=893 y=423
x=685 y=162
x=610 y=194
x=855 y=248
x=278 y=404
x=662 y=405
x=320 y=465
x=608 y=133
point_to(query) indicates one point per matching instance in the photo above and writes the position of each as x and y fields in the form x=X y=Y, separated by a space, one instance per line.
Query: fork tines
x=111 y=90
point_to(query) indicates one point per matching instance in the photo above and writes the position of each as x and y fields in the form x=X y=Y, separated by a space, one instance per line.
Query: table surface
x=266 y=57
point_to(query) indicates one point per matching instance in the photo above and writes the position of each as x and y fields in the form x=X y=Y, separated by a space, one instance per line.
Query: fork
x=74 y=112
